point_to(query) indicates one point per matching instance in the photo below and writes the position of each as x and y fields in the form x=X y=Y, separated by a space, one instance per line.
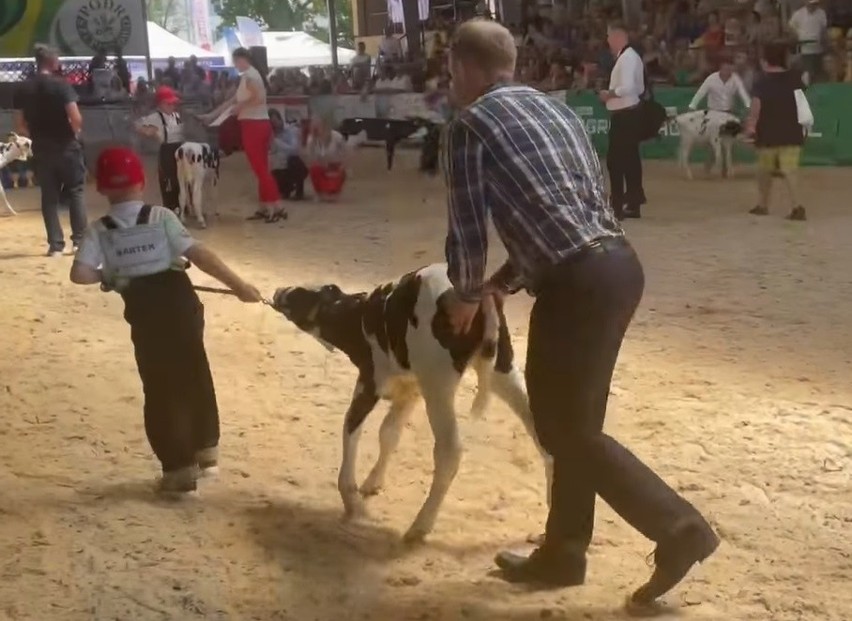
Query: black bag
x=651 y=114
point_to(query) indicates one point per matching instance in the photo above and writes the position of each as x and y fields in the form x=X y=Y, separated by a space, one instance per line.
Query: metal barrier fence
x=107 y=125
x=76 y=71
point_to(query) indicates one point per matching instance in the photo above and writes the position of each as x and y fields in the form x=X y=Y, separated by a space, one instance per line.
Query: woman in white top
x=250 y=108
x=326 y=153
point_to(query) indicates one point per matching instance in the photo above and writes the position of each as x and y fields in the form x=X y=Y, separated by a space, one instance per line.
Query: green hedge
x=830 y=144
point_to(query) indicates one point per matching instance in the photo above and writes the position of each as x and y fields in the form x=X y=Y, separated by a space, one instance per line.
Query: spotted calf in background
x=399 y=337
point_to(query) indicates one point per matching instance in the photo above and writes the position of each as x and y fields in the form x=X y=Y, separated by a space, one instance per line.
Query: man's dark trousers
x=624 y=162
x=582 y=310
x=61 y=173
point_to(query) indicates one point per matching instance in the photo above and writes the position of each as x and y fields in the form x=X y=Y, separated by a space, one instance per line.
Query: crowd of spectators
x=680 y=41
x=683 y=41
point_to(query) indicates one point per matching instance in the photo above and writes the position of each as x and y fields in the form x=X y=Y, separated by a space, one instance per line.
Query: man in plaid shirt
x=526 y=160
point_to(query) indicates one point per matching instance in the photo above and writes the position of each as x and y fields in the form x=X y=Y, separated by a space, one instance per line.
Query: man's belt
x=602 y=245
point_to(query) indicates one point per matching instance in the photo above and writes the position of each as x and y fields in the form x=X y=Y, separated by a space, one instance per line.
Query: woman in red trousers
x=250 y=108
x=326 y=151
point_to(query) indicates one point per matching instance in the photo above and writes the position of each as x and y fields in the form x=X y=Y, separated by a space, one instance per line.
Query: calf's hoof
x=371 y=486
x=353 y=509
x=415 y=536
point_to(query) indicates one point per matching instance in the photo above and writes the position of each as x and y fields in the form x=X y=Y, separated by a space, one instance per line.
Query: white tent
x=292 y=49
x=163 y=44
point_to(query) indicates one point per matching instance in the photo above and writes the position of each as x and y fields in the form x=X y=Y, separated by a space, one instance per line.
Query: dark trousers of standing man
x=624 y=163
x=291 y=180
x=61 y=174
x=168 y=177
x=167 y=328
x=582 y=310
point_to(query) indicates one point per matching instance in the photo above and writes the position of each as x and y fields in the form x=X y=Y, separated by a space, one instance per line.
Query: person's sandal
x=276 y=216
x=258 y=215
x=759 y=211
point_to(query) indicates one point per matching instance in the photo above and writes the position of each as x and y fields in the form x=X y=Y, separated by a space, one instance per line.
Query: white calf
x=16 y=148
x=399 y=337
x=717 y=129
x=196 y=163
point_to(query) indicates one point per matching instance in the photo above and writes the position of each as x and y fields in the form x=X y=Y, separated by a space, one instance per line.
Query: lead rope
x=221 y=291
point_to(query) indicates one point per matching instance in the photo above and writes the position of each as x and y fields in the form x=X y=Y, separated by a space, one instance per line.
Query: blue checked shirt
x=525 y=159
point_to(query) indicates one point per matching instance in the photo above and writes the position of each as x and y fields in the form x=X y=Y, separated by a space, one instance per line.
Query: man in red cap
x=165 y=126
x=141 y=251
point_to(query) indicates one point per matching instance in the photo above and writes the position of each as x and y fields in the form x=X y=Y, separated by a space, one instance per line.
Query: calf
x=196 y=162
x=718 y=129
x=394 y=131
x=400 y=340
x=15 y=149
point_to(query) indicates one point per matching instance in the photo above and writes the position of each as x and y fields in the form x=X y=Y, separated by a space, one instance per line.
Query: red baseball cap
x=167 y=95
x=119 y=168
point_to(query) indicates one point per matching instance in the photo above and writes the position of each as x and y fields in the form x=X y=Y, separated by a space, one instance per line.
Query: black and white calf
x=711 y=127
x=399 y=338
x=196 y=164
x=15 y=149
x=394 y=131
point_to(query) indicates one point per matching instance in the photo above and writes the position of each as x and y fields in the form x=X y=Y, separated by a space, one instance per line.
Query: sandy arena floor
x=733 y=383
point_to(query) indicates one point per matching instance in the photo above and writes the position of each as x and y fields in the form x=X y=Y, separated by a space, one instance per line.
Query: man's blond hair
x=487 y=44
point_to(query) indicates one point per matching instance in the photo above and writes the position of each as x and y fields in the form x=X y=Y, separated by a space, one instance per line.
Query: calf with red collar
x=400 y=340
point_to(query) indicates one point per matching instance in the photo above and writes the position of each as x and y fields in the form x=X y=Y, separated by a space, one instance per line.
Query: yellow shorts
x=780 y=159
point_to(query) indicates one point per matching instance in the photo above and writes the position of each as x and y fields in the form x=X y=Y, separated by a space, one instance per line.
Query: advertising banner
x=74 y=27
x=829 y=143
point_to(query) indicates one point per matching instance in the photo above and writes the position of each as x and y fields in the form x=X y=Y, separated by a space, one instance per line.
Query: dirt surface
x=733 y=384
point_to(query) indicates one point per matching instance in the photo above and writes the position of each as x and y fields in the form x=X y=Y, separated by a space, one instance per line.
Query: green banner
x=74 y=27
x=830 y=143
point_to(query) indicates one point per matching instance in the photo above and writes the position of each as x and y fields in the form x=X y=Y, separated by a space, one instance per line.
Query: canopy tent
x=163 y=44
x=291 y=49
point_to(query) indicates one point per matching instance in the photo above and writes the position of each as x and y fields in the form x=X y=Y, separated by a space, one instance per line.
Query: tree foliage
x=167 y=14
x=308 y=15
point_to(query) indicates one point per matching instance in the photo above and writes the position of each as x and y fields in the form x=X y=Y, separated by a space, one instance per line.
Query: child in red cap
x=165 y=126
x=138 y=250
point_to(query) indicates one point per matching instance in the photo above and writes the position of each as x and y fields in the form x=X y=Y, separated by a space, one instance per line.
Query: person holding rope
x=526 y=160
x=250 y=107
x=138 y=250
x=165 y=126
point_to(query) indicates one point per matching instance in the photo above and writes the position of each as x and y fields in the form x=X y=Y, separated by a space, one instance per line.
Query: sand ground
x=733 y=384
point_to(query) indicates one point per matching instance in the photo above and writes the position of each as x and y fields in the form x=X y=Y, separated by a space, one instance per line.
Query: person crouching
x=138 y=250
x=326 y=151
x=287 y=166
x=165 y=126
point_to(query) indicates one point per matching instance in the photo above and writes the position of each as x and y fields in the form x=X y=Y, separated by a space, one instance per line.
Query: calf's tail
x=486 y=357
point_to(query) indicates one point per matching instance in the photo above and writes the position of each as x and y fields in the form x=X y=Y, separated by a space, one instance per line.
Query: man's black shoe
x=691 y=544
x=544 y=567
x=632 y=212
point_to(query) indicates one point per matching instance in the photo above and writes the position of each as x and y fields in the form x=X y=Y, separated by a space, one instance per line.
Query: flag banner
x=73 y=27
x=250 y=32
x=201 y=24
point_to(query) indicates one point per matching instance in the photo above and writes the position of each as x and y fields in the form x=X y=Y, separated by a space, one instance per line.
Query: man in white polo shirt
x=810 y=24
x=626 y=86
x=721 y=89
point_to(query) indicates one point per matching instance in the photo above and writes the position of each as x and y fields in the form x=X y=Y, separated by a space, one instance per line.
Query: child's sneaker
x=208 y=461
x=179 y=482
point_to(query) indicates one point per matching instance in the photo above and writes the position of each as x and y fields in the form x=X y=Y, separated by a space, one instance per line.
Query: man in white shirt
x=810 y=24
x=721 y=89
x=626 y=86
x=361 y=64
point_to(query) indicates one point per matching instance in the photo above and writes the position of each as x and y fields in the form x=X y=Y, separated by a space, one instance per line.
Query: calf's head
x=24 y=144
x=325 y=312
